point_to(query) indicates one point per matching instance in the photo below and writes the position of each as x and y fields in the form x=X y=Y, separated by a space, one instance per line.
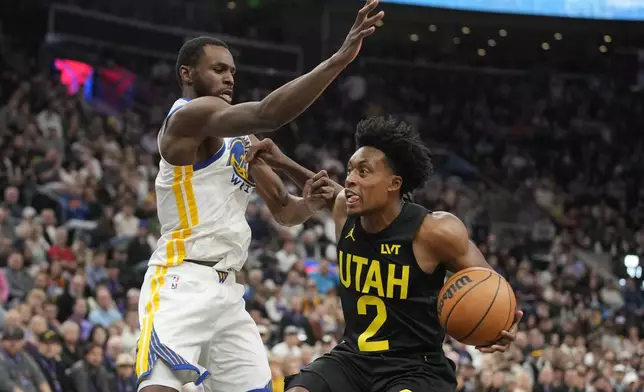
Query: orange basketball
x=475 y=305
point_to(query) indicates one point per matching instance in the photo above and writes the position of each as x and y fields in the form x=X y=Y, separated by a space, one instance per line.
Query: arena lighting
x=491 y=42
x=456 y=40
x=465 y=30
x=633 y=267
x=603 y=48
x=414 y=37
x=558 y=36
x=622 y=282
x=481 y=52
x=433 y=28
x=232 y=5
x=503 y=33
x=545 y=46
x=587 y=9
x=608 y=39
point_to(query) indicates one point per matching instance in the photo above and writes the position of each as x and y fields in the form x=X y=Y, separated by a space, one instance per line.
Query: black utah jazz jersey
x=389 y=303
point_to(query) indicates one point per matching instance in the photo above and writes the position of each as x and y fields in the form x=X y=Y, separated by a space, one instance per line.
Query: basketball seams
x=463 y=296
x=498 y=286
x=509 y=319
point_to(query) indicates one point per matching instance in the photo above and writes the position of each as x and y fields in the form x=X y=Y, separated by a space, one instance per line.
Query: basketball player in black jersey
x=393 y=256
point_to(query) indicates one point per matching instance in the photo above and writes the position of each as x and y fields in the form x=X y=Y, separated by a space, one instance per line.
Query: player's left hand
x=267 y=151
x=318 y=191
x=507 y=337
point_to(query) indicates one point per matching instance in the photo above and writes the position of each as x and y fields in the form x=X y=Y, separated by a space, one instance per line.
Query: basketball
x=475 y=305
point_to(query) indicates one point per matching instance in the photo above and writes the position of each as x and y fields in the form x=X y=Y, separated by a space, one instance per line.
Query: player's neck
x=381 y=219
x=188 y=92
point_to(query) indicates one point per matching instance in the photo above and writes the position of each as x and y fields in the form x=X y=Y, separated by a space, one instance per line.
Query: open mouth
x=352 y=198
x=227 y=95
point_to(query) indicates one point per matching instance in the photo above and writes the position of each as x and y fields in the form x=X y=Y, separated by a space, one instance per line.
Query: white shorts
x=194 y=328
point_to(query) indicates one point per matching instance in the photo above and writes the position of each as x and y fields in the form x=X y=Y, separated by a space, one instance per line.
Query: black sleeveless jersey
x=389 y=303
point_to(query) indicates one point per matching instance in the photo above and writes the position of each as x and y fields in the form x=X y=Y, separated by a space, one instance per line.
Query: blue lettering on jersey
x=239 y=147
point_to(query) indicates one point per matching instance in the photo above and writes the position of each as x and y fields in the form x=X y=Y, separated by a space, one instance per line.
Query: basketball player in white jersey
x=194 y=327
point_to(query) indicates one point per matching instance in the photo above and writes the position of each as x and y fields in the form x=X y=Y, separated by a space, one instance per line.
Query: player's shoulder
x=441 y=226
x=189 y=116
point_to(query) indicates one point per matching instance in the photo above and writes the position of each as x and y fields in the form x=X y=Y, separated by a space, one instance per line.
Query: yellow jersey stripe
x=190 y=197
x=151 y=307
x=178 y=196
x=175 y=254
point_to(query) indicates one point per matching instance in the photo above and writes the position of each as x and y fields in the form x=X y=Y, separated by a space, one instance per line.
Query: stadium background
x=535 y=121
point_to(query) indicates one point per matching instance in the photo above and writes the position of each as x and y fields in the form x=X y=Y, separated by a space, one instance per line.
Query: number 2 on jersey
x=381 y=316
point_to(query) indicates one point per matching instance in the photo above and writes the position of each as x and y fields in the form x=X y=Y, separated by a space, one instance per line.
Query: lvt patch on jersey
x=239 y=148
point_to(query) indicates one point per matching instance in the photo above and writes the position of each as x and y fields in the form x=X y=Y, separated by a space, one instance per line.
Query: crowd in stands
x=78 y=223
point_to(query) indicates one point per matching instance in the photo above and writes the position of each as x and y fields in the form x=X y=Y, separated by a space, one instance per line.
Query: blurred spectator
x=71 y=344
x=125 y=376
x=47 y=356
x=60 y=251
x=290 y=346
x=18 y=371
x=17 y=276
x=325 y=280
x=106 y=312
x=89 y=374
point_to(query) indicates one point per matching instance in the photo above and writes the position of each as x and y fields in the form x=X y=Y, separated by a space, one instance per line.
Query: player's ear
x=186 y=75
x=396 y=183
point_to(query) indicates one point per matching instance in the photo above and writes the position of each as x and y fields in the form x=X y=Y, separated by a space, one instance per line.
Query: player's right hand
x=363 y=27
x=318 y=191
x=267 y=151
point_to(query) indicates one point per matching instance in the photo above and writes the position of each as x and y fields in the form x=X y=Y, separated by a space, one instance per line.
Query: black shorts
x=345 y=370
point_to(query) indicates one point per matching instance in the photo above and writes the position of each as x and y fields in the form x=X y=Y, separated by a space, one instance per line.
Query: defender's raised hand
x=267 y=151
x=363 y=27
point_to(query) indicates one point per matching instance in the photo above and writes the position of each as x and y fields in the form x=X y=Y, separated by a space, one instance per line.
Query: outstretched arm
x=212 y=116
x=287 y=209
x=267 y=152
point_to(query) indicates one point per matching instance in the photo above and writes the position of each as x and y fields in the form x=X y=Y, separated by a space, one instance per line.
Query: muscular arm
x=214 y=117
x=288 y=210
x=443 y=238
x=300 y=175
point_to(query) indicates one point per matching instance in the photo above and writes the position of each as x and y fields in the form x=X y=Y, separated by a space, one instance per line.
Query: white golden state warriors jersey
x=202 y=207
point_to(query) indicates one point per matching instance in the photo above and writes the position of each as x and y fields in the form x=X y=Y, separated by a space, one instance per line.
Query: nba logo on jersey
x=222 y=276
x=239 y=147
x=175 y=282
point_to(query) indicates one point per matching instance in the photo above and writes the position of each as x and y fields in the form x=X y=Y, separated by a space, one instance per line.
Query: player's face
x=370 y=181
x=215 y=73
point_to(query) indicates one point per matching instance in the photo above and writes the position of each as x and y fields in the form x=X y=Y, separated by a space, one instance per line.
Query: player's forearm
x=296 y=172
x=212 y=116
x=294 y=213
x=289 y=101
x=288 y=210
x=300 y=175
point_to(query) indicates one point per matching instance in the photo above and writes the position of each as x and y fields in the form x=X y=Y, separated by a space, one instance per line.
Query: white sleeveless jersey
x=202 y=207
